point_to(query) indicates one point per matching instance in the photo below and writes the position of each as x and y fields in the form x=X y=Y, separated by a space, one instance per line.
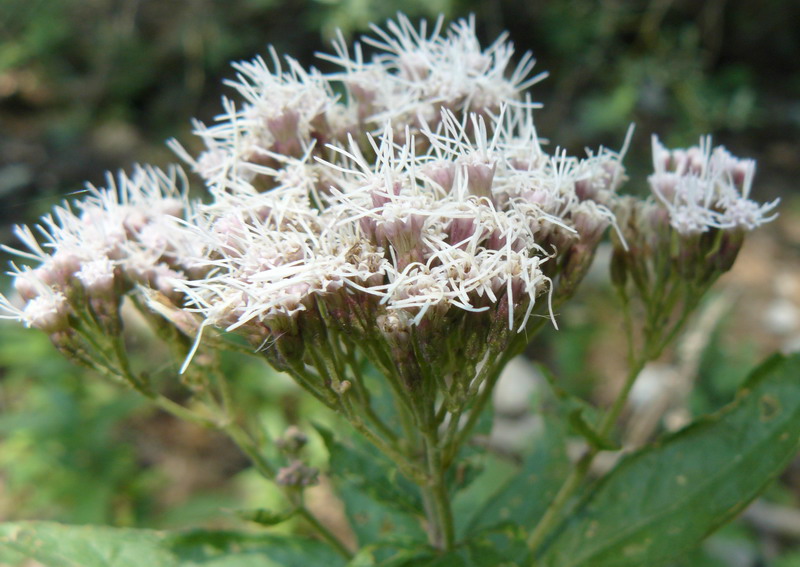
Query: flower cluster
x=416 y=221
x=289 y=112
x=95 y=250
x=441 y=230
x=704 y=188
x=678 y=243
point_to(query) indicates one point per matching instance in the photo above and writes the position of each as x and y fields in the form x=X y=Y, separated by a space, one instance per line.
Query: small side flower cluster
x=679 y=243
x=703 y=189
x=92 y=252
x=296 y=473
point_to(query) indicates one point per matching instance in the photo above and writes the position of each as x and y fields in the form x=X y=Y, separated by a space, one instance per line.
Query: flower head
x=704 y=188
x=116 y=237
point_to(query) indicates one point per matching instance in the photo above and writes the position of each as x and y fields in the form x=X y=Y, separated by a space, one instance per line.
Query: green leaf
x=380 y=503
x=522 y=499
x=390 y=555
x=581 y=415
x=265 y=517
x=60 y=545
x=477 y=552
x=237 y=549
x=662 y=501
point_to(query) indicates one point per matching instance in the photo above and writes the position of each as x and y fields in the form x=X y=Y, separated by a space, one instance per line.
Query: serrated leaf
x=60 y=545
x=380 y=503
x=521 y=500
x=662 y=501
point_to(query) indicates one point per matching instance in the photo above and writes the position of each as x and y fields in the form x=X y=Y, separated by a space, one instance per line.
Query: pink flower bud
x=460 y=230
x=479 y=178
x=25 y=283
x=443 y=173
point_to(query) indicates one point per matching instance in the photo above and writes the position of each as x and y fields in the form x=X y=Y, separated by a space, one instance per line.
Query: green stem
x=551 y=515
x=616 y=408
x=583 y=465
x=377 y=355
x=455 y=438
x=442 y=512
x=248 y=447
x=654 y=345
x=180 y=411
x=365 y=400
x=326 y=365
x=308 y=382
x=410 y=469
x=324 y=532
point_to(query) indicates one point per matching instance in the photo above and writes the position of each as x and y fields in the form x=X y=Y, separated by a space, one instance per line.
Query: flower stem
x=455 y=437
x=655 y=342
x=247 y=446
x=583 y=465
x=440 y=517
x=324 y=532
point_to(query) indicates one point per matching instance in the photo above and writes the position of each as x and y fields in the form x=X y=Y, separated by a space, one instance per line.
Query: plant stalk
x=583 y=465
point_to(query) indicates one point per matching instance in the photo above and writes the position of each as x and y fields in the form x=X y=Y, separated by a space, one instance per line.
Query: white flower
x=47 y=311
x=130 y=225
x=704 y=189
x=417 y=72
x=97 y=276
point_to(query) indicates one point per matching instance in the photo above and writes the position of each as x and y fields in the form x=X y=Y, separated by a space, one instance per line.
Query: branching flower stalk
x=414 y=225
x=671 y=251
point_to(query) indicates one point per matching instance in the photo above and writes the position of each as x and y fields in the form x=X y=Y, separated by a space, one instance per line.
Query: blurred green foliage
x=59 y=429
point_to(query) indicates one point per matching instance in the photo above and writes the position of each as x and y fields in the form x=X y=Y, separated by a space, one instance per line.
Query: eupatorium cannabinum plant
x=390 y=235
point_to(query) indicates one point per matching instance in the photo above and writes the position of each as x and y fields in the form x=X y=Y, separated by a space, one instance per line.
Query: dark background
x=92 y=85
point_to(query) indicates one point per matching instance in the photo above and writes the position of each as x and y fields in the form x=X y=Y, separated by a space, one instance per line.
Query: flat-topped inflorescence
x=415 y=219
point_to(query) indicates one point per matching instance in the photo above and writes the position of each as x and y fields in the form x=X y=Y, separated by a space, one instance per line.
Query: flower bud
x=27 y=284
x=297 y=475
x=460 y=230
x=293 y=440
x=443 y=173
x=480 y=174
